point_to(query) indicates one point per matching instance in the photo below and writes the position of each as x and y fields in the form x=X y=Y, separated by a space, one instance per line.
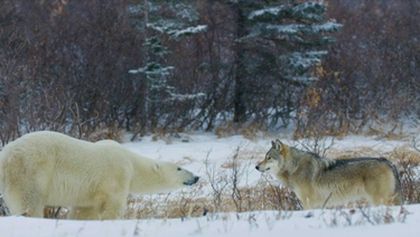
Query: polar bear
x=94 y=179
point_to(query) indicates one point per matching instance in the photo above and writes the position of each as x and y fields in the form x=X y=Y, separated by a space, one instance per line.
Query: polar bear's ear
x=156 y=167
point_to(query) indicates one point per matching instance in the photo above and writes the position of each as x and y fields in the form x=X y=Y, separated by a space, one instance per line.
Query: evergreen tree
x=171 y=20
x=279 y=46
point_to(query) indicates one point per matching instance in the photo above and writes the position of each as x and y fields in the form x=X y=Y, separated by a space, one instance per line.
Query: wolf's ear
x=284 y=149
x=276 y=144
x=273 y=144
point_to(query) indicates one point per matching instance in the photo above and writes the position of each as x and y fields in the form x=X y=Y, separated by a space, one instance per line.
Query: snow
x=326 y=27
x=271 y=11
x=344 y=222
x=309 y=11
x=188 y=31
x=192 y=151
x=286 y=28
x=299 y=28
x=305 y=60
x=153 y=69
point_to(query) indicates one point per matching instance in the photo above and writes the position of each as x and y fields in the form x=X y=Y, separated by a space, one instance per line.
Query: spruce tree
x=148 y=17
x=280 y=45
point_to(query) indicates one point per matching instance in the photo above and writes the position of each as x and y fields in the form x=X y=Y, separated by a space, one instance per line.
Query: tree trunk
x=239 y=115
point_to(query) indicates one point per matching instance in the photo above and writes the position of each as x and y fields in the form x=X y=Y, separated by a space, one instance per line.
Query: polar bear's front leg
x=84 y=213
x=113 y=209
x=106 y=207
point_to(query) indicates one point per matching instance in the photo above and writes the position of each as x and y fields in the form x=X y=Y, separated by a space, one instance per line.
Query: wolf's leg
x=380 y=190
x=384 y=197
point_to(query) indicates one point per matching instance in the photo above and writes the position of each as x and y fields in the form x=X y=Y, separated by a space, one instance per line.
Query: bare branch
x=416 y=143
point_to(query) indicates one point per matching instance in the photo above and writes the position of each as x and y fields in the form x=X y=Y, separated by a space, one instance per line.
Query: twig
x=366 y=216
x=415 y=141
x=326 y=201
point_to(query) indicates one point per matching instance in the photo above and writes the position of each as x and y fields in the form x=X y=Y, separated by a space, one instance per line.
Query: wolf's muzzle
x=192 y=181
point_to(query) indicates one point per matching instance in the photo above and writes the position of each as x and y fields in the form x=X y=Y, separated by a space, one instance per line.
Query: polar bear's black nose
x=257 y=167
x=192 y=181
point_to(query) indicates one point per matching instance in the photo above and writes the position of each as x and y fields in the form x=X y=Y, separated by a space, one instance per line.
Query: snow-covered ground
x=368 y=222
x=203 y=150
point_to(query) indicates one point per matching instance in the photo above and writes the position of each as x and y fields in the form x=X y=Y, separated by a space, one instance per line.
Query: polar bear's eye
x=179 y=169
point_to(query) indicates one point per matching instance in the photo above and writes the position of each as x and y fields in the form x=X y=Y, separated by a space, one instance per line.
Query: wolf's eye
x=269 y=158
x=179 y=169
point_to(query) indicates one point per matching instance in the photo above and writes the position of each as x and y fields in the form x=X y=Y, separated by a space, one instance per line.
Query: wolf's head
x=274 y=159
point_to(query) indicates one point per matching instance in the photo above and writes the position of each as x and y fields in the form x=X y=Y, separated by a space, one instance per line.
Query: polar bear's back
x=49 y=147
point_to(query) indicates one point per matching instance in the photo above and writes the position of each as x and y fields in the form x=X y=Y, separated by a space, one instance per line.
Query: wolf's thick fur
x=319 y=181
x=51 y=169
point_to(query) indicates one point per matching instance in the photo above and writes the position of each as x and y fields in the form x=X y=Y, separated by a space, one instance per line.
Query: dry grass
x=108 y=133
x=408 y=162
x=352 y=153
x=364 y=214
x=193 y=205
x=249 y=131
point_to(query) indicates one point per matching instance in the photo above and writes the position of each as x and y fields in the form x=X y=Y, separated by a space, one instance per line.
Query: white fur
x=51 y=169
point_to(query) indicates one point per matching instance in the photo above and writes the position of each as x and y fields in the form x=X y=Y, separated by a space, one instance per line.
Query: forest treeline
x=80 y=66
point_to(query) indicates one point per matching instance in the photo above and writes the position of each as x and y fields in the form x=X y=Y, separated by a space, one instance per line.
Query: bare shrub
x=363 y=215
x=218 y=183
x=274 y=197
x=317 y=143
x=102 y=133
x=249 y=131
x=369 y=78
x=416 y=143
x=235 y=175
x=225 y=130
x=409 y=171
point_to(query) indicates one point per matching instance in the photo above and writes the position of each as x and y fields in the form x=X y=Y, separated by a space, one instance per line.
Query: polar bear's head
x=173 y=176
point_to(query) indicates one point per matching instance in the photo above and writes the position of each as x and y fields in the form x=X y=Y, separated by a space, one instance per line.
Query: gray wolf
x=320 y=182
